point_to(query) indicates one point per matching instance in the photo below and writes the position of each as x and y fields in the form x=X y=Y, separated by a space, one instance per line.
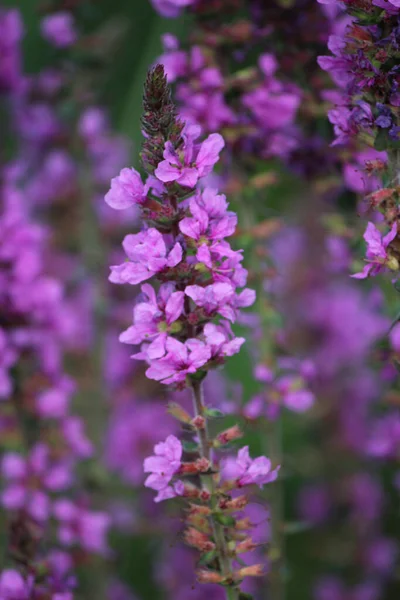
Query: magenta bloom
x=127 y=189
x=377 y=255
x=77 y=525
x=215 y=298
x=181 y=360
x=248 y=471
x=221 y=341
x=11 y=31
x=13 y=586
x=190 y=164
x=295 y=396
x=22 y=476
x=392 y=6
x=134 y=429
x=154 y=318
x=148 y=255
x=59 y=29
x=220 y=298
x=162 y=468
x=171 y=8
x=209 y=225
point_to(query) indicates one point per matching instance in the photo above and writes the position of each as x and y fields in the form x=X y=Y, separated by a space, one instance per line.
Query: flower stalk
x=232 y=592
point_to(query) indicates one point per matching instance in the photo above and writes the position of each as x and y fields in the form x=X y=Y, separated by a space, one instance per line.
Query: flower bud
x=179 y=413
x=198 y=422
x=205 y=495
x=198 y=509
x=252 y=571
x=229 y=435
x=206 y=576
x=233 y=504
x=198 y=540
x=247 y=545
x=243 y=524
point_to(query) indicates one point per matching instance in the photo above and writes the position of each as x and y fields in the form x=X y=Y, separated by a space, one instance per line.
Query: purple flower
x=220 y=298
x=214 y=298
x=188 y=165
x=148 y=255
x=73 y=430
x=384 y=439
x=155 y=318
x=294 y=395
x=377 y=256
x=22 y=476
x=209 y=224
x=13 y=586
x=59 y=29
x=78 y=525
x=248 y=471
x=162 y=468
x=221 y=340
x=11 y=31
x=127 y=189
x=171 y=8
x=391 y=6
x=181 y=360
x=273 y=107
x=355 y=175
x=134 y=429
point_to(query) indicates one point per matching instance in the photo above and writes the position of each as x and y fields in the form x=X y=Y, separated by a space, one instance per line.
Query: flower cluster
x=260 y=121
x=183 y=245
x=363 y=66
x=42 y=442
x=183 y=326
x=35 y=391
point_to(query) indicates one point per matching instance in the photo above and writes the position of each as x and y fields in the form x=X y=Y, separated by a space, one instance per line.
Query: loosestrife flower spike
x=182 y=320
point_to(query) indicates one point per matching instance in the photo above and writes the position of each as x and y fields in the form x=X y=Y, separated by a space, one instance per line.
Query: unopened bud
x=198 y=422
x=243 y=524
x=206 y=576
x=179 y=413
x=201 y=465
x=198 y=509
x=233 y=504
x=199 y=522
x=229 y=435
x=204 y=495
x=252 y=571
x=191 y=491
x=247 y=545
x=198 y=540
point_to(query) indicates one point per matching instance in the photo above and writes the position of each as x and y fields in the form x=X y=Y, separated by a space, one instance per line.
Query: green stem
x=232 y=592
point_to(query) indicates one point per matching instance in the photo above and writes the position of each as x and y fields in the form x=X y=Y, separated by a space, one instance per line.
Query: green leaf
x=214 y=413
x=208 y=558
x=226 y=520
x=190 y=447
